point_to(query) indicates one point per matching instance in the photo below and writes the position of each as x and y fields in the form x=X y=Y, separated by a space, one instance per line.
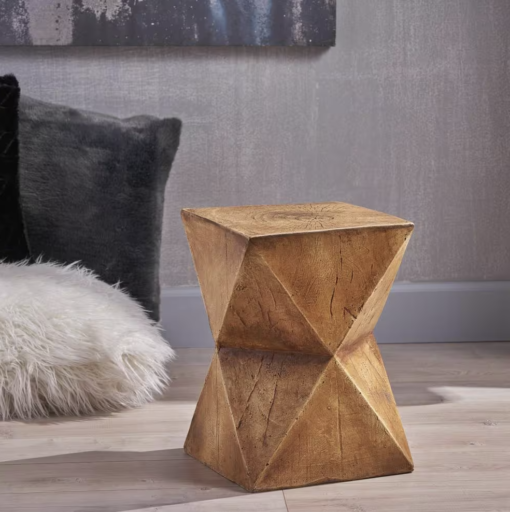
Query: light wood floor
x=454 y=401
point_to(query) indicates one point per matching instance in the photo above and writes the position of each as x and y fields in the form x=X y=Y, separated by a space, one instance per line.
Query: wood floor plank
x=268 y=502
x=454 y=400
x=110 y=487
x=109 y=476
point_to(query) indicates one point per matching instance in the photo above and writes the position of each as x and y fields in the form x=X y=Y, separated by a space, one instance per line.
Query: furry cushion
x=13 y=246
x=71 y=344
x=92 y=190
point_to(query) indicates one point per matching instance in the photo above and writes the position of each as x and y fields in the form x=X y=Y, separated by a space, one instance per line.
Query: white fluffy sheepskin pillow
x=71 y=344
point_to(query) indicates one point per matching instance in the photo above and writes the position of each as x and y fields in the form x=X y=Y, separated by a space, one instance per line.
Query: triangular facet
x=365 y=368
x=266 y=392
x=310 y=453
x=368 y=448
x=337 y=437
x=217 y=255
x=373 y=307
x=212 y=438
x=333 y=273
x=262 y=316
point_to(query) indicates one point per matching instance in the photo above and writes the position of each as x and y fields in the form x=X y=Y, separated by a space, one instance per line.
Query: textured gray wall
x=409 y=114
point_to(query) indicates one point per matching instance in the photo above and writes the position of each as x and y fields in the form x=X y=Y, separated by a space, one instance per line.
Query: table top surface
x=253 y=221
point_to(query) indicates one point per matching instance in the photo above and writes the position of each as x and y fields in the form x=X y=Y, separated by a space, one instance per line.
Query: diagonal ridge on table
x=365 y=368
x=266 y=392
x=334 y=275
x=372 y=308
x=261 y=314
x=337 y=447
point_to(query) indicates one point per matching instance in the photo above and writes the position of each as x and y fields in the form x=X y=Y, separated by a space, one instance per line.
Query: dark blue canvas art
x=168 y=22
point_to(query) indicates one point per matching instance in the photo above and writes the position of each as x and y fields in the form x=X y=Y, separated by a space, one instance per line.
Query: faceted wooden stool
x=297 y=392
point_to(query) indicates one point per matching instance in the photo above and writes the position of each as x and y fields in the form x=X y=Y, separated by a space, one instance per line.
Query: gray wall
x=409 y=114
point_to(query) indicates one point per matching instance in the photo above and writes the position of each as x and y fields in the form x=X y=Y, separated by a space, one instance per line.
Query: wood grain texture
x=306 y=388
x=265 y=220
x=266 y=393
x=213 y=438
x=217 y=254
x=261 y=315
x=332 y=275
x=338 y=437
x=364 y=367
x=370 y=311
x=454 y=401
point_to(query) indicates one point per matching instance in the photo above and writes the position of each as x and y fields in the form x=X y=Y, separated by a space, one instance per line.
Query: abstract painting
x=168 y=22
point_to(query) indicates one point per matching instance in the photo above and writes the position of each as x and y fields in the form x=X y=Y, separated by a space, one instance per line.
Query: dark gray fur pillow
x=13 y=246
x=92 y=190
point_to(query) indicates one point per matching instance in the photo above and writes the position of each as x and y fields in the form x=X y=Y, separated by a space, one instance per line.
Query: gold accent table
x=297 y=393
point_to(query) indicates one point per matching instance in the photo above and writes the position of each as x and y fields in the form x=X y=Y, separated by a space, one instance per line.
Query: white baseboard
x=414 y=313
